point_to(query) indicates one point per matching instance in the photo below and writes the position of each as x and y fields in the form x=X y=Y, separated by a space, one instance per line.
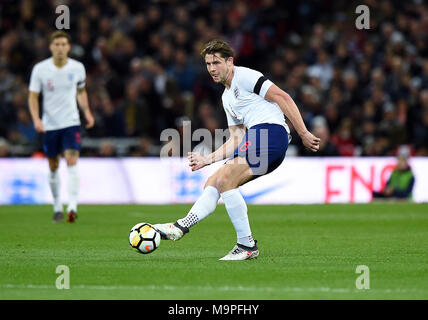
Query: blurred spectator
x=112 y=119
x=352 y=96
x=370 y=86
x=182 y=70
x=323 y=68
x=391 y=126
x=25 y=126
x=136 y=113
x=107 y=149
x=122 y=20
x=108 y=79
x=320 y=129
x=6 y=83
x=4 y=148
x=343 y=139
x=208 y=145
x=401 y=182
x=145 y=148
x=421 y=134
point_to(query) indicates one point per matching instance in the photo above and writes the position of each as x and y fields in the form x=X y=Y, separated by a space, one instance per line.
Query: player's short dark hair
x=218 y=46
x=59 y=34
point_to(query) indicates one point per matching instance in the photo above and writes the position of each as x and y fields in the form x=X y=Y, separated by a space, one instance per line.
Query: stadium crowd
x=363 y=92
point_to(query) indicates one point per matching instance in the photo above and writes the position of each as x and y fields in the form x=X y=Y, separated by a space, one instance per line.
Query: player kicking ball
x=259 y=138
x=61 y=80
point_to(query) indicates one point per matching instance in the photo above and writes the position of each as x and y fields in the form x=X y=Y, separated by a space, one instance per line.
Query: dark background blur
x=364 y=92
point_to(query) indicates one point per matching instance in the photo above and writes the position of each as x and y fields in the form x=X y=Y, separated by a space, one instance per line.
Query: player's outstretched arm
x=82 y=99
x=33 y=105
x=289 y=108
x=198 y=161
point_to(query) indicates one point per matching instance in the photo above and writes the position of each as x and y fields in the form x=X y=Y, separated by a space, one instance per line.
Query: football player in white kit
x=259 y=138
x=60 y=79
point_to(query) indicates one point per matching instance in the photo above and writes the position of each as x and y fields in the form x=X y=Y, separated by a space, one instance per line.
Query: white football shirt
x=244 y=101
x=59 y=87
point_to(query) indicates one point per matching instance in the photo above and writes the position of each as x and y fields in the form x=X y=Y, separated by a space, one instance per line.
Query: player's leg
x=72 y=144
x=234 y=173
x=51 y=148
x=71 y=156
x=205 y=205
x=263 y=149
x=207 y=202
x=55 y=186
x=237 y=172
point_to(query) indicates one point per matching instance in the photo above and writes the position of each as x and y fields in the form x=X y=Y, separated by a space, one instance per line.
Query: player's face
x=59 y=48
x=218 y=67
x=402 y=163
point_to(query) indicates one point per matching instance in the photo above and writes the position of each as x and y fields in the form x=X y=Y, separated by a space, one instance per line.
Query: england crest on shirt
x=50 y=85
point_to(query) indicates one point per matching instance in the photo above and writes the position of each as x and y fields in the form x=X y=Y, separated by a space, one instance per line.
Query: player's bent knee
x=211 y=182
x=225 y=181
x=53 y=164
x=71 y=156
x=71 y=162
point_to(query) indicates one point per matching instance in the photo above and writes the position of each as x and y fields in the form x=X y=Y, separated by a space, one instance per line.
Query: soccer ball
x=144 y=238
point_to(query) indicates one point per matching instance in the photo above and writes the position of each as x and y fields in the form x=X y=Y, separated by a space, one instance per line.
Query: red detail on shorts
x=244 y=146
x=78 y=138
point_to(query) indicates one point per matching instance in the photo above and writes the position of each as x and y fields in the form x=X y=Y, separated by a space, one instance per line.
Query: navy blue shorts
x=263 y=146
x=56 y=141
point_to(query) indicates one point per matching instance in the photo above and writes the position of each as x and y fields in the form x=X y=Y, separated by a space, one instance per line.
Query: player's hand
x=90 y=121
x=196 y=160
x=310 y=141
x=38 y=125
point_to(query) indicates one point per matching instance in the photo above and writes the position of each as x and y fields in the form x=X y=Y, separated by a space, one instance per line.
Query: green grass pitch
x=306 y=252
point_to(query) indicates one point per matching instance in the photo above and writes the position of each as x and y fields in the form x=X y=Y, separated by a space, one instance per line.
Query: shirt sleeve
x=82 y=77
x=254 y=81
x=35 y=81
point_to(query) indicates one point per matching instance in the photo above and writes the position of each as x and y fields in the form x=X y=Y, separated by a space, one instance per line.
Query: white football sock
x=73 y=188
x=247 y=241
x=237 y=210
x=55 y=185
x=206 y=204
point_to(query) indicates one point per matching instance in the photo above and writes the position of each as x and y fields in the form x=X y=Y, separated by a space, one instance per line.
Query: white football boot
x=171 y=231
x=241 y=252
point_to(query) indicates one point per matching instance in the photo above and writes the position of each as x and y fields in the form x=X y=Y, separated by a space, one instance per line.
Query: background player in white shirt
x=255 y=109
x=60 y=79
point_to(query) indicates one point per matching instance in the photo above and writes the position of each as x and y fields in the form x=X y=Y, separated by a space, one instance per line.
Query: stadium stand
x=366 y=91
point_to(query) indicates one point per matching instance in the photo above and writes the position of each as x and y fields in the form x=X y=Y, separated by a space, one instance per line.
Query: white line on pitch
x=205 y=288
